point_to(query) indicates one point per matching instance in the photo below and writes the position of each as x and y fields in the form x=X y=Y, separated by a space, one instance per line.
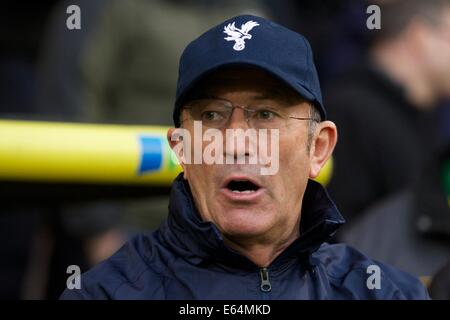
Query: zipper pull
x=265 y=283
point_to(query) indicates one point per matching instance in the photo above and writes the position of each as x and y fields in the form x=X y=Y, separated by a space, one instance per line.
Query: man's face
x=437 y=54
x=271 y=210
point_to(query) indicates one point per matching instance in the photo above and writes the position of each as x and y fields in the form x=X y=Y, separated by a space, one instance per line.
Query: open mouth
x=242 y=186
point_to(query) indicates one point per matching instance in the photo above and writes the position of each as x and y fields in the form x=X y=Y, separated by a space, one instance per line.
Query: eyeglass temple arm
x=299 y=118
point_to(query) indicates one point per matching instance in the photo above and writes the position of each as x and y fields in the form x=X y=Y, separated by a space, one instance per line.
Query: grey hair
x=315 y=116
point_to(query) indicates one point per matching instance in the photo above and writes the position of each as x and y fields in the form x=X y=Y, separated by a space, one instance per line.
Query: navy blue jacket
x=186 y=258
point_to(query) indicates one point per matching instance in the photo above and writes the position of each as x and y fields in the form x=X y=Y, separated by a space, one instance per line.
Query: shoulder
x=354 y=273
x=135 y=265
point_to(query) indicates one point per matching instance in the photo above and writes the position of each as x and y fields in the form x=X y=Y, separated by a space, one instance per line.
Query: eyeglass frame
x=247 y=111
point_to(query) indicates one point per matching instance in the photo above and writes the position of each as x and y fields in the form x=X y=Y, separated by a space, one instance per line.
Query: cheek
x=293 y=150
x=197 y=177
x=202 y=187
x=294 y=161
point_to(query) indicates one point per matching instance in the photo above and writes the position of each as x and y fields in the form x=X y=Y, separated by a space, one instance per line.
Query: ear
x=322 y=147
x=175 y=139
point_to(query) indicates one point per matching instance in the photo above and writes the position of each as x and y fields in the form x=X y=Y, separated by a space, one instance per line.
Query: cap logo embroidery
x=239 y=35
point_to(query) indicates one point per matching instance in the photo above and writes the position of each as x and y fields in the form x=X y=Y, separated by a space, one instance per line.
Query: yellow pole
x=90 y=153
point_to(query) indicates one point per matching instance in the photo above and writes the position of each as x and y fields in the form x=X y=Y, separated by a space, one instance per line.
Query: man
x=384 y=105
x=233 y=232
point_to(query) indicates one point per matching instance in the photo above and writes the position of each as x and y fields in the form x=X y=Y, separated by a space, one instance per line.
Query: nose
x=238 y=147
x=238 y=119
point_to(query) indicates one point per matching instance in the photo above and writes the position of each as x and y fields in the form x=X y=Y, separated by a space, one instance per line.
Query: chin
x=245 y=223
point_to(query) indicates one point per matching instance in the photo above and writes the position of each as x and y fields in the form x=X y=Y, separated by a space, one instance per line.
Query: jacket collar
x=200 y=242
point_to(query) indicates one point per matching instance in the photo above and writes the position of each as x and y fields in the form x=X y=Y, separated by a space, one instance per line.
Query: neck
x=263 y=251
x=398 y=62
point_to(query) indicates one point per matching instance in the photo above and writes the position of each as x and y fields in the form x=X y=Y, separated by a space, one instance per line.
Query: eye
x=211 y=115
x=266 y=115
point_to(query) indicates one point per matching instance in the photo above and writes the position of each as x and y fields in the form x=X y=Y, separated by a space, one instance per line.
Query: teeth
x=245 y=191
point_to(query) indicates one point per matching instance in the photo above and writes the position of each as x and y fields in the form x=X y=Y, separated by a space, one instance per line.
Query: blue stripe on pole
x=151 y=154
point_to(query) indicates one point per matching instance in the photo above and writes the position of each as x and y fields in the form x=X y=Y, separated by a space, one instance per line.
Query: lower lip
x=241 y=196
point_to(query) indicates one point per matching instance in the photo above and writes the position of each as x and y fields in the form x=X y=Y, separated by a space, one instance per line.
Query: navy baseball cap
x=251 y=41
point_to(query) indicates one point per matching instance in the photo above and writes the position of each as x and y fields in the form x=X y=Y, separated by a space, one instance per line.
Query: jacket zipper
x=265 y=282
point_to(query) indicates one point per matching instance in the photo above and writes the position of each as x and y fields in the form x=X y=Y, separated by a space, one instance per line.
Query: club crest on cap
x=239 y=35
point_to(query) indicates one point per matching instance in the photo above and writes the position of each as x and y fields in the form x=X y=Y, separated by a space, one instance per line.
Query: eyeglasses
x=215 y=113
